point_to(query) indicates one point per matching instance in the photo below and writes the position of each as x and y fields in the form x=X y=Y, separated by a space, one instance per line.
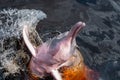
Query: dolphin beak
x=75 y=30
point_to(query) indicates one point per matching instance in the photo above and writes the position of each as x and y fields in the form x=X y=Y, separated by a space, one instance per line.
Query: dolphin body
x=55 y=53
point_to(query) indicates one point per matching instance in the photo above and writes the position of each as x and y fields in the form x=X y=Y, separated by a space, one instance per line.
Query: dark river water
x=99 y=41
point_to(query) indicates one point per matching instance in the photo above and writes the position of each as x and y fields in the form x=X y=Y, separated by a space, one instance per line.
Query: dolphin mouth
x=75 y=30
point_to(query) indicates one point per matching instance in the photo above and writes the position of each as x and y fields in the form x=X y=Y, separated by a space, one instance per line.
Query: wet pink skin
x=53 y=53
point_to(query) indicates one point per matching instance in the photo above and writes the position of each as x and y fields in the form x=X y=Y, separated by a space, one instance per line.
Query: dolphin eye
x=54 y=43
